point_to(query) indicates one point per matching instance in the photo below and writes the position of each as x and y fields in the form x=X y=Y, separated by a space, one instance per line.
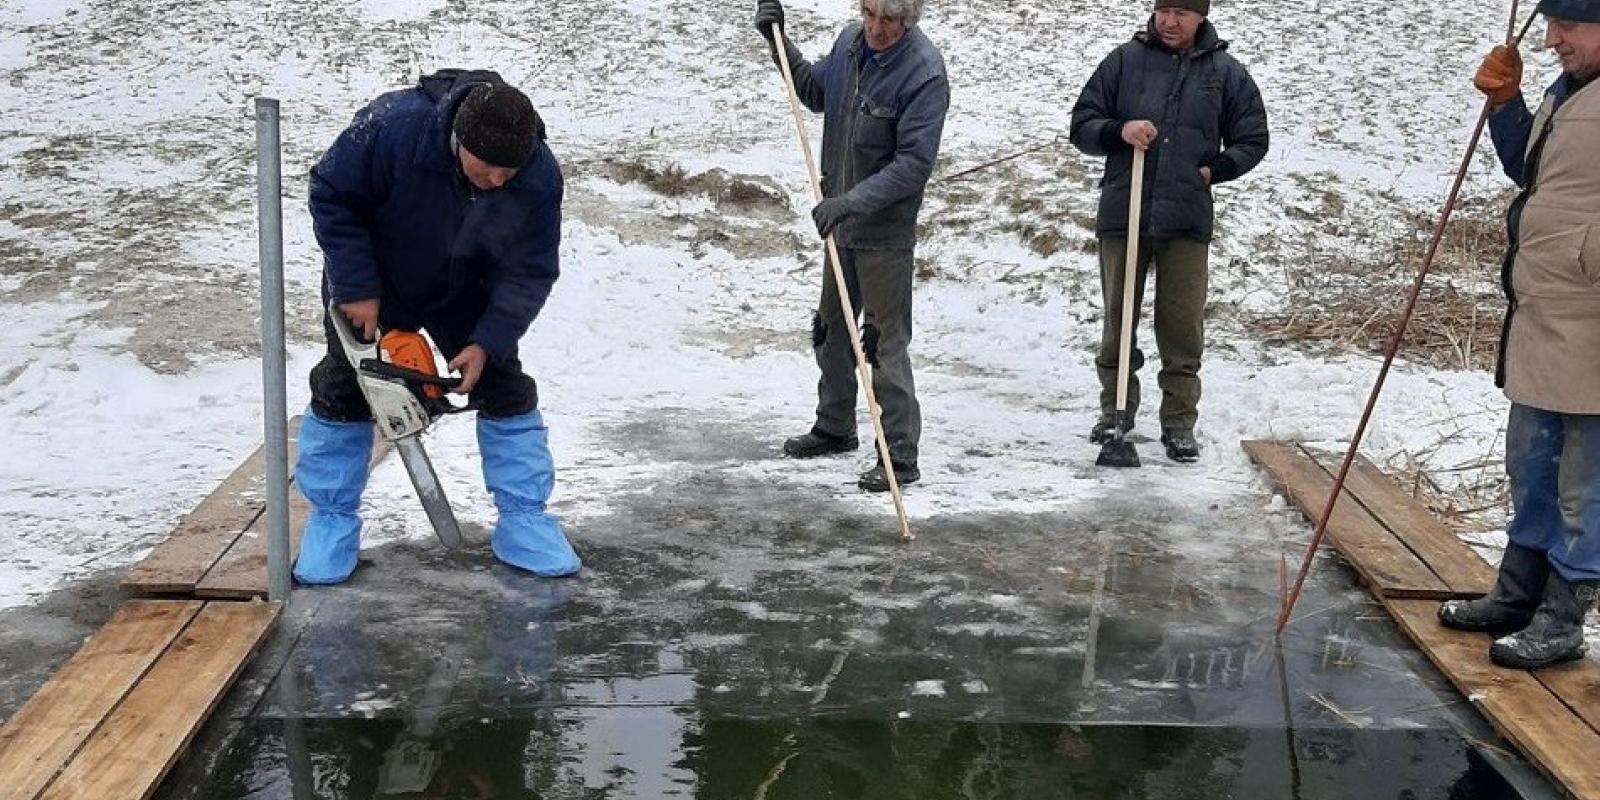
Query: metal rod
x=1391 y=349
x=275 y=445
x=862 y=367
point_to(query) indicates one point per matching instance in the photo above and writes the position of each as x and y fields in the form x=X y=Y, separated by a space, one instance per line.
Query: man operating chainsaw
x=438 y=208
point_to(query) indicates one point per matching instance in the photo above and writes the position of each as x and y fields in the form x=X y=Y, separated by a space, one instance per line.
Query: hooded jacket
x=398 y=221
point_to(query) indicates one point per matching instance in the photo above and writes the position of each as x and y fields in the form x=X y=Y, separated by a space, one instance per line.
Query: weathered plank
x=1578 y=686
x=241 y=573
x=133 y=749
x=1520 y=706
x=41 y=738
x=206 y=533
x=1382 y=560
x=1464 y=571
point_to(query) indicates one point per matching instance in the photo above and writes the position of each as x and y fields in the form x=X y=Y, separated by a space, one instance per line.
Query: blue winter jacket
x=883 y=117
x=398 y=221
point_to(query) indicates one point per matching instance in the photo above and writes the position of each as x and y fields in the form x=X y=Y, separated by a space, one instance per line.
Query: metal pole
x=1392 y=348
x=275 y=415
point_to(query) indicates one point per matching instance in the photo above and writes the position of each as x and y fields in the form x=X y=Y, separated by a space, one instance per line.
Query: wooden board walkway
x=1395 y=545
x=112 y=721
x=218 y=550
x=1410 y=560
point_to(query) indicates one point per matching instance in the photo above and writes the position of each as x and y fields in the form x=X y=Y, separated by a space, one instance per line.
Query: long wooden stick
x=862 y=367
x=1130 y=284
x=1392 y=348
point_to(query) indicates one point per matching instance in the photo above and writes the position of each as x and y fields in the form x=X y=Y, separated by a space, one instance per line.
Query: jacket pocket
x=876 y=128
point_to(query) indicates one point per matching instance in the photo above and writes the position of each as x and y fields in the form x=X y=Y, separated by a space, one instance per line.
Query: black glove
x=769 y=13
x=829 y=213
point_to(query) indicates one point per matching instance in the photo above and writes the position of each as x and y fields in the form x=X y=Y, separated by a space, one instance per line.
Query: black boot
x=1555 y=635
x=1101 y=432
x=1181 y=445
x=1509 y=606
x=874 y=480
x=818 y=443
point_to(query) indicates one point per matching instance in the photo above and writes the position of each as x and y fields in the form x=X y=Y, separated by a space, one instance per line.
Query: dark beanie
x=497 y=123
x=1201 y=7
x=1571 y=10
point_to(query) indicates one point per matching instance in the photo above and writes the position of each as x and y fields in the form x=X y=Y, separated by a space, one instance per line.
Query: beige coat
x=1552 y=358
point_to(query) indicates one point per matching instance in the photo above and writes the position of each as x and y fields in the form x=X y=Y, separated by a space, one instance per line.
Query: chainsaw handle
x=384 y=369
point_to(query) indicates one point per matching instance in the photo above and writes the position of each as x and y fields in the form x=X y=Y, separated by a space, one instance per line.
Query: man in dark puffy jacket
x=1176 y=93
x=438 y=208
x=883 y=95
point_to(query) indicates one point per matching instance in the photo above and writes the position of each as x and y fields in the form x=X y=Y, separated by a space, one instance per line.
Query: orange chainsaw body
x=411 y=350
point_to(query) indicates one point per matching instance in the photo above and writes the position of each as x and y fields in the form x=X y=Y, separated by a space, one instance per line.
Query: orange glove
x=1500 y=76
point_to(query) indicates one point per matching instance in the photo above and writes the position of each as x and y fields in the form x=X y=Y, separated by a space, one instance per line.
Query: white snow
x=101 y=106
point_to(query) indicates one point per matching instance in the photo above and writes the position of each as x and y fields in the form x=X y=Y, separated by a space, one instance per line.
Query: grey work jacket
x=882 y=121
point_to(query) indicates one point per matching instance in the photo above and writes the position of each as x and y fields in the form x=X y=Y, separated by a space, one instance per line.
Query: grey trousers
x=1180 y=323
x=879 y=284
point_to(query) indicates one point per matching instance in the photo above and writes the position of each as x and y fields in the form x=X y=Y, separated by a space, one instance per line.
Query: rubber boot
x=1101 y=432
x=330 y=471
x=816 y=443
x=1181 y=445
x=518 y=471
x=876 y=480
x=1555 y=635
x=1509 y=606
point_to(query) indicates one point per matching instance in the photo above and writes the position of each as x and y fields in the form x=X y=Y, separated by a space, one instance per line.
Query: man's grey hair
x=907 y=11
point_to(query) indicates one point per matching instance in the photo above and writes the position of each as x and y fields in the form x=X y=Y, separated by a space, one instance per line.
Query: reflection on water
x=660 y=752
x=1125 y=662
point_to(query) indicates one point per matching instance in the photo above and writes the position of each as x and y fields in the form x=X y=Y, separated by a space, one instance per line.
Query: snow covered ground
x=127 y=249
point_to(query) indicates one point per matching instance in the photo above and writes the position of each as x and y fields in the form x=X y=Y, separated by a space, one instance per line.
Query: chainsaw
x=401 y=382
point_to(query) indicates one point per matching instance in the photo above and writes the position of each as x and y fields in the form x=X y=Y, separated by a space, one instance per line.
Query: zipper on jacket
x=1531 y=167
x=853 y=109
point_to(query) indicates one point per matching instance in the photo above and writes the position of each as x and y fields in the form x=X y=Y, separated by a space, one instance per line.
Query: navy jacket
x=398 y=221
x=1208 y=112
x=881 y=125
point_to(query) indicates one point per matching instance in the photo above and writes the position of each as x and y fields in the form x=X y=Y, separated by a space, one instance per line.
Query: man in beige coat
x=1550 y=352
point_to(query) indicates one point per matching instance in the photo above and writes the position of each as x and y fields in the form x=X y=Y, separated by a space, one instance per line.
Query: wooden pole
x=862 y=367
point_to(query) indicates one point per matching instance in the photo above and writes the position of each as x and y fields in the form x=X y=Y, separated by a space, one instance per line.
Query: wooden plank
x=39 y=740
x=136 y=746
x=1462 y=569
x=241 y=573
x=1578 y=686
x=206 y=533
x=1519 y=705
x=1386 y=564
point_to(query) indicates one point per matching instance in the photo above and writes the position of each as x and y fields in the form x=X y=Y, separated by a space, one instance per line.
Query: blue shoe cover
x=518 y=471
x=330 y=471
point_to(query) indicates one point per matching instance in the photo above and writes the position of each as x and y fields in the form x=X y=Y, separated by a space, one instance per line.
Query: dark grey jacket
x=880 y=134
x=1208 y=112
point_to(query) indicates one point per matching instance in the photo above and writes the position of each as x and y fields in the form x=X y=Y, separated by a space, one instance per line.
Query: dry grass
x=672 y=180
x=1339 y=304
x=1473 y=496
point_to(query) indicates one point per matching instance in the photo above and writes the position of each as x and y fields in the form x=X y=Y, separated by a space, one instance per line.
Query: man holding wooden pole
x=883 y=94
x=1177 y=94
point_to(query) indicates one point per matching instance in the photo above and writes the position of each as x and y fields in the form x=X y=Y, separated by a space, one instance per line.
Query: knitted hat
x=1203 y=7
x=1571 y=10
x=497 y=123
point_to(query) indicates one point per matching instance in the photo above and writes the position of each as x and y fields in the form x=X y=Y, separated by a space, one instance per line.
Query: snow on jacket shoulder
x=397 y=221
x=1208 y=112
